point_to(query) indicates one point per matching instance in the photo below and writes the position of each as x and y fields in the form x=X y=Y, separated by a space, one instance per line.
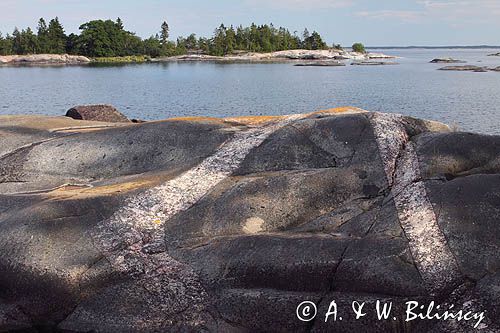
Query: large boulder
x=228 y=225
x=98 y=112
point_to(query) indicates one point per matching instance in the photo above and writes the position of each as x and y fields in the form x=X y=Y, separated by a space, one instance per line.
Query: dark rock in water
x=494 y=55
x=321 y=64
x=447 y=61
x=469 y=68
x=373 y=63
x=496 y=69
x=100 y=112
x=227 y=225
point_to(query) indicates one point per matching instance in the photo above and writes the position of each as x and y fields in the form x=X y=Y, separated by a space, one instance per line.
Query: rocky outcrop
x=372 y=63
x=372 y=55
x=321 y=64
x=468 y=68
x=494 y=55
x=447 y=61
x=227 y=225
x=288 y=55
x=43 y=59
x=98 y=112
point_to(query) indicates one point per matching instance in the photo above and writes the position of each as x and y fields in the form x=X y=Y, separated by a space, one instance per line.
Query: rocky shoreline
x=44 y=59
x=290 y=55
x=281 y=56
x=227 y=225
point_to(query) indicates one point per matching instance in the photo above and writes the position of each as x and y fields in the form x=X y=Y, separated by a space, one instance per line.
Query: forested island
x=108 y=38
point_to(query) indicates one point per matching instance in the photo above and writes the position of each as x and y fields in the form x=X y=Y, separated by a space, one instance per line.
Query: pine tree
x=30 y=41
x=42 y=36
x=5 y=45
x=119 y=23
x=164 y=34
x=305 y=39
x=229 y=40
x=17 y=42
x=56 y=37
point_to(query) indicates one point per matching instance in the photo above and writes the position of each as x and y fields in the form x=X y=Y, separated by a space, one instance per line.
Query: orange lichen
x=252 y=120
x=82 y=191
x=343 y=109
x=49 y=123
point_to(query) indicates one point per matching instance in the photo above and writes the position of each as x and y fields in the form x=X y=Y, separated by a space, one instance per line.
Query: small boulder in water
x=446 y=61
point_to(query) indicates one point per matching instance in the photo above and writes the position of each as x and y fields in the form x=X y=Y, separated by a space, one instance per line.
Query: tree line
x=108 y=38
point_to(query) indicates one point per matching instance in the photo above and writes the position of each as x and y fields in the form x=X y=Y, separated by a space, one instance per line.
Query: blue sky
x=374 y=22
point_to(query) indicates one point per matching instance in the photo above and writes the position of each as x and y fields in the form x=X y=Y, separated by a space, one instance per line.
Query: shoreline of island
x=298 y=55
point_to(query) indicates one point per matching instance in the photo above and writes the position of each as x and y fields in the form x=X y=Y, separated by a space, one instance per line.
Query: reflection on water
x=156 y=91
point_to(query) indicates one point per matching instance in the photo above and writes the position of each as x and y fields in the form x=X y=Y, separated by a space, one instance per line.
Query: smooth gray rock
x=373 y=63
x=465 y=68
x=447 y=61
x=227 y=225
x=321 y=64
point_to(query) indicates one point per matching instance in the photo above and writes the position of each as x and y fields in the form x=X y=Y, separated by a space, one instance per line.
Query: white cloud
x=302 y=4
x=403 y=15
x=476 y=10
x=456 y=13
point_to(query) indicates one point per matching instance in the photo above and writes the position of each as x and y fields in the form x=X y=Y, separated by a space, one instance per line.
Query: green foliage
x=314 y=42
x=42 y=36
x=49 y=39
x=109 y=39
x=358 y=47
x=56 y=42
x=72 y=44
x=263 y=38
x=153 y=46
x=5 y=45
x=165 y=31
x=100 y=38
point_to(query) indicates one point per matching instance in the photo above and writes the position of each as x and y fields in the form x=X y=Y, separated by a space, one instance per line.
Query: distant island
x=108 y=39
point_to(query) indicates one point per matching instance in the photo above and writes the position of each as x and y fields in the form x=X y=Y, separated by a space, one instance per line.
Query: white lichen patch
x=391 y=137
x=253 y=225
x=428 y=245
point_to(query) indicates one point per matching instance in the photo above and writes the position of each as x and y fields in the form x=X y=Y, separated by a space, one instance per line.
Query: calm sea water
x=157 y=91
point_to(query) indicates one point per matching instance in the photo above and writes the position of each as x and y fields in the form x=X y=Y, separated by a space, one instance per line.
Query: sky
x=373 y=22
